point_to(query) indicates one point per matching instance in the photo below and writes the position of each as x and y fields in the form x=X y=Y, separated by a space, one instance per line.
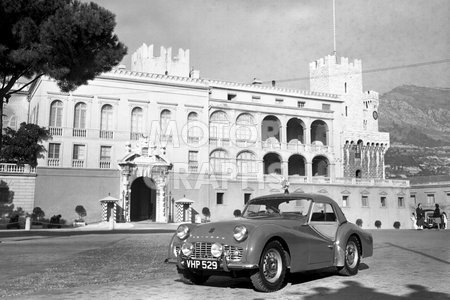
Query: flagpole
x=334 y=28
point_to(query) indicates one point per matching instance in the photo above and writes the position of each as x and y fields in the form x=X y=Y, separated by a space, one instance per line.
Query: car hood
x=222 y=231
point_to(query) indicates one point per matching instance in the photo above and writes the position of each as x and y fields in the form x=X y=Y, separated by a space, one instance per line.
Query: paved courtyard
x=407 y=264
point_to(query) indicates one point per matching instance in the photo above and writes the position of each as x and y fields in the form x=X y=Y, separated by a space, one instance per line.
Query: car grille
x=202 y=250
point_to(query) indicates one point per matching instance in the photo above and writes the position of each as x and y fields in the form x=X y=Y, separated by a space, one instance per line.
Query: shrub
x=38 y=214
x=378 y=224
x=359 y=222
x=81 y=212
x=237 y=213
x=397 y=225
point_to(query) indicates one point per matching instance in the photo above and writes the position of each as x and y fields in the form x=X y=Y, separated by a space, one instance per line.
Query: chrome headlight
x=182 y=232
x=240 y=233
x=216 y=249
x=187 y=249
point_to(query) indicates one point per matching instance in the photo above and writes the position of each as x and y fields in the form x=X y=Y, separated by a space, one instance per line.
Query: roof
x=290 y=196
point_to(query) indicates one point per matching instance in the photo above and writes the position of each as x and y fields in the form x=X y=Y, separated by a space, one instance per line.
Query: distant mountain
x=416 y=115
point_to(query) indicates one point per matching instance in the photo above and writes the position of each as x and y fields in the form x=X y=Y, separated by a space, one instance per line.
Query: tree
x=69 y=41
x=37 y=214
x=24 y=145
x=81 y=212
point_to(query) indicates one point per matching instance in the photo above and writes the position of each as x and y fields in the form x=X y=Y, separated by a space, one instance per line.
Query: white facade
x=225 y=139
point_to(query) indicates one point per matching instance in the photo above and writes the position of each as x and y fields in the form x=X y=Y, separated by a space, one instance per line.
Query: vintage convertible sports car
x=276 y=234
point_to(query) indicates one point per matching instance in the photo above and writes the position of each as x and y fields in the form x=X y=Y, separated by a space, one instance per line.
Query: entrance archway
x=143 y=200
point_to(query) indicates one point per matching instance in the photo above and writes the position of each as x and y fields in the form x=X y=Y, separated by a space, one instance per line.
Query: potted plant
x=81 y=212
x=206 y=213
x=378 y=224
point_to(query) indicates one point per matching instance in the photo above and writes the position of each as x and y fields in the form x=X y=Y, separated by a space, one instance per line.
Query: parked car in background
x=277 y=234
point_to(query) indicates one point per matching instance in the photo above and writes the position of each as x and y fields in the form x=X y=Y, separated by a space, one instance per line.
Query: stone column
x=307 y=135
x=308 y=170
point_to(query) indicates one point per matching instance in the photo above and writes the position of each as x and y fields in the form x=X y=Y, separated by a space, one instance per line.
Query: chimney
x=273 y=83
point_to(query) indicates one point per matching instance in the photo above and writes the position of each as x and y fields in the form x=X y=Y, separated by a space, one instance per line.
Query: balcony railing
x=53 y=162
x=56 y=131
x=78 y=163
x=77 y=132
x=105 y=164
x=106 y=134
x=15 y=168
x=134 y=136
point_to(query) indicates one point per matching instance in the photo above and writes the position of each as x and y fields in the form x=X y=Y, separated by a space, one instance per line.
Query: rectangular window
x=413 y=198
x=105 y=157
x=401 y=202
x=383 y=201
x=326 y=106
x=365 y=201
x=105 y=153
x=231 y=97
x=448 y=197
x=256 y=98
x=345 y=201
x=79 y=152
x=247 y=197
x=279 y=101
x=430 y=199
x=300 y=104
x=53 y=150
x=219 y=198
x=193 y=161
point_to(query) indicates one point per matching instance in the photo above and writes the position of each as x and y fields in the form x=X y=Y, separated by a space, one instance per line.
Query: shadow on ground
x=25 y=235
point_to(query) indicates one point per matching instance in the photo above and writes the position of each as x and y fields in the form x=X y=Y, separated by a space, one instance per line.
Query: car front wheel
x=352 y=257
x=271 y=274
x=192 y=277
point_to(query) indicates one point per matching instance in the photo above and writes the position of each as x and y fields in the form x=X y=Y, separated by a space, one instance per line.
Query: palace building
x=164 y=143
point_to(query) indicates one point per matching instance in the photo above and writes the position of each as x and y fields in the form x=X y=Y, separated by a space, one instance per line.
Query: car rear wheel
x=271 y=274
x=352 y=257
x=192 y=277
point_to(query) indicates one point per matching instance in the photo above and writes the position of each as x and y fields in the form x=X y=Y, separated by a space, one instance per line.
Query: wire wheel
x=351 y=254
x=272 y=265
x=271 y=274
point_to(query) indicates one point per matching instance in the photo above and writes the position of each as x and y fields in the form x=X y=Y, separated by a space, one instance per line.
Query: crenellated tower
x=143 y=60
x=363 y=147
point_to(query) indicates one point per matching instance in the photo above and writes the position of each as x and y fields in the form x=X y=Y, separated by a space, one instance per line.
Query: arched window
x=272 y=163
x=79 y=118
x=296 y=165
x=218 y=161
x=270 y=128
x=245 y=129
x=56 y=113
x=106 y=122
x=194 y=132
x=246 y=162
x=164 y=120
x=137 y=123
x=294 y=130
x=320 y=166
x=319 y=131
x=219 y=126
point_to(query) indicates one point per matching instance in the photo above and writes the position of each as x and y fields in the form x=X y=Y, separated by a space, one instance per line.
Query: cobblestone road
x=407 y=264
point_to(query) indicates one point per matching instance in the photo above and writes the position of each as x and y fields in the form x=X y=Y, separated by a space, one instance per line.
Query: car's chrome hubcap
x=351 y=254
x=272 y=265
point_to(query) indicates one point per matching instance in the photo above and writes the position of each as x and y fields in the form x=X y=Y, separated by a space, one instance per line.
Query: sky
x=399 y=41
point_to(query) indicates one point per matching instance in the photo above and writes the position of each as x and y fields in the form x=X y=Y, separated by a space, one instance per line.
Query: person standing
x=420 y=214
x=437 y=216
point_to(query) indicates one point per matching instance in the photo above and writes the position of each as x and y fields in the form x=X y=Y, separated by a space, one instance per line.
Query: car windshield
x=290 y=208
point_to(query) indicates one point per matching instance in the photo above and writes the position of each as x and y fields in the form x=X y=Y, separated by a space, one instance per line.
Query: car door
x=323 y=224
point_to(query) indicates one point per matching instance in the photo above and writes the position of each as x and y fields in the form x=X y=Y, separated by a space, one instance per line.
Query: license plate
x=202 y=264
